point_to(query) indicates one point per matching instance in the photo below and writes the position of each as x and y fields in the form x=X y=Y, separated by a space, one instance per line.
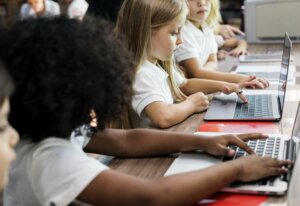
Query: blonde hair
x=214 y=18
x=136 y=21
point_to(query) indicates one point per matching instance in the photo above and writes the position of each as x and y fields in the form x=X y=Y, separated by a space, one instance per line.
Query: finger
x=277 y=171
x=238 y=31
x=226 y=151
x=241 y=144
x=252 y=136
x=242 y=97
x=264 y=82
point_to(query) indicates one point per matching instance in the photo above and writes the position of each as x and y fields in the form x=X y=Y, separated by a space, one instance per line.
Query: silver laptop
x=262 y=107
x=276 y=146
x=271 y=74
x=264 y=57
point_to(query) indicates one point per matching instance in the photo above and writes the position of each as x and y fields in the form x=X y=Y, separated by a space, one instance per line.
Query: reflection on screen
x=284 y=70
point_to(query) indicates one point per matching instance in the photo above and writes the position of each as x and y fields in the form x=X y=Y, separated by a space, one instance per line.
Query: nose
x=178 y=40
x=14 y=137
x=202 y=2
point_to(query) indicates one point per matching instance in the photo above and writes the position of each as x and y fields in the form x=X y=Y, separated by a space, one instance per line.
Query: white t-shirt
x=196 y=43
x=151 y=85
x=52 y=9
x=77 y=9
x=52 y=172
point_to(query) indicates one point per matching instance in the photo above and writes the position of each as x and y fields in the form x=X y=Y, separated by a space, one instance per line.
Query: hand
x=228 y=31
x=237 y=52
x=254 y=168
x=218 y=145
x=222 y=54
x=255 y=83
x=228 y=88
x=199 y=101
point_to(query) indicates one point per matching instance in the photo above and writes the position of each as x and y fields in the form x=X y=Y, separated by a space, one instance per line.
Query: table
x=152 y=168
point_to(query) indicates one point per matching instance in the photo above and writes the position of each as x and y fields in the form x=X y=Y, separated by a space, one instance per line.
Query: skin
x=239 y=48
x=228 y=31
x=38 y=6
x=185 y=188
x=8 y=139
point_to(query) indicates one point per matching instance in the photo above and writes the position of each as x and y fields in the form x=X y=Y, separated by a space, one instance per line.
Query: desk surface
x=152 y=168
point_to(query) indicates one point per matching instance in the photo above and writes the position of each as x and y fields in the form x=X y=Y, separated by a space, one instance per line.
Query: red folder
x=239 y=127
x=224 y=199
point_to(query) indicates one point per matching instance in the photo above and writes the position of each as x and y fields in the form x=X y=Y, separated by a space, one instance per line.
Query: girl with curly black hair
x=76 y=75
x=8 y=136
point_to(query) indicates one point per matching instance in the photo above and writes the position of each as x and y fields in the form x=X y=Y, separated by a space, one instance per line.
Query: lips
x=202 y=11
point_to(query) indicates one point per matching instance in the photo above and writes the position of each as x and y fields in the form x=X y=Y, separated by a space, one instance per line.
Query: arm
x=193 y=69
x=228 y=31
x=150 y=142
x=212 y=62
x=113 y=188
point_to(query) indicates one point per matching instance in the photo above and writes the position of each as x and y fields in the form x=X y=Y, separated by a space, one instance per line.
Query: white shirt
x=52 y=172
x=52 y=9
x=196 y=43
x=77 y=9
x=151 y=85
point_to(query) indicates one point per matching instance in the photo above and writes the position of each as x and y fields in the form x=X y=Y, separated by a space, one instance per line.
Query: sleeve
x=25 y=11
x=187 y=49
x=213 y=41
x=220 y=40
x=179 y=78
x=59 y=174
x=147 y=90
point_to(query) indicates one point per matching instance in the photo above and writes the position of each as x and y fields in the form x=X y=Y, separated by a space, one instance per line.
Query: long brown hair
x=137 y=19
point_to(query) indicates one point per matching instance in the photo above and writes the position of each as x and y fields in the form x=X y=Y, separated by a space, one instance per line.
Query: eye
x=3 y=128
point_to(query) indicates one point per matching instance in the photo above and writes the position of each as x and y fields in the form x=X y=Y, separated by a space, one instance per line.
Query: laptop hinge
x=279 y=108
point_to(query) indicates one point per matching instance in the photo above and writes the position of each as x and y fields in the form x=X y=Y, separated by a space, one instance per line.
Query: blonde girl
x=197 y=54
x=152 y=33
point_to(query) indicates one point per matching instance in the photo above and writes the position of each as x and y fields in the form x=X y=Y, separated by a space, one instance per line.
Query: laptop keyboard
x=264 y=148
x=259 y=106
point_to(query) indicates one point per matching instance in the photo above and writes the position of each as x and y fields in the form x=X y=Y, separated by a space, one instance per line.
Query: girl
x=39 y=8
x=162 y=96
x=197 y=54
x=59 y=80
x=8 y=136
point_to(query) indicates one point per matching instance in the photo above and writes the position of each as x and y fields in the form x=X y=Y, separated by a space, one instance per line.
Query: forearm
x=181 y=189
x=211 y=65
x=202 y=85
x=164 y=115
x=142 y=142
x=222 y=76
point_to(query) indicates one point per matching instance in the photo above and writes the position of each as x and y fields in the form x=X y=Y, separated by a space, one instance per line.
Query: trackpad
x=221 y=107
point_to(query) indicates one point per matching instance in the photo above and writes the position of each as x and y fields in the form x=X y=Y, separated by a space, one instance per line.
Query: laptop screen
x=287 y=46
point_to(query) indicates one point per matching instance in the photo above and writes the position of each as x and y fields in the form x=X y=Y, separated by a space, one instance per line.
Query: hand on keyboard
x=218 y=145
x=253 y=167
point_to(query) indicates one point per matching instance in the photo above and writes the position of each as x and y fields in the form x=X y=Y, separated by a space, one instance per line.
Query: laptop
x=276 y=146
x=270 y=72
x=260 y=107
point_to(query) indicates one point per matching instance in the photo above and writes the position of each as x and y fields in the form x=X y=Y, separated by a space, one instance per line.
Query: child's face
x=199 y=10
x=8 y=139
x=36 y=4
x=165 y=40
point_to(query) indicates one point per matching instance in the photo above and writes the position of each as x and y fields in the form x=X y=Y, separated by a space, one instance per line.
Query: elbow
x=164 y=120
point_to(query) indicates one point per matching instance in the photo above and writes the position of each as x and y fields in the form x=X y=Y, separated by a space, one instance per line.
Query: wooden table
x=152 y=168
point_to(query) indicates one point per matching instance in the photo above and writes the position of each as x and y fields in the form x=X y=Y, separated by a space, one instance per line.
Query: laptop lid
x=287 y=47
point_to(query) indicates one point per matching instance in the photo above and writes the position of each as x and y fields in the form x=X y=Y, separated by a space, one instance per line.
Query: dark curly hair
x=62 y=69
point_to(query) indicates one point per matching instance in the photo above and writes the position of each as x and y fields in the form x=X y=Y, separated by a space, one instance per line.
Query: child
x=8 y=136
x=197 y=54
x=77 y=9
x=59 y=80
x=39 y=8
x=152 y=32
